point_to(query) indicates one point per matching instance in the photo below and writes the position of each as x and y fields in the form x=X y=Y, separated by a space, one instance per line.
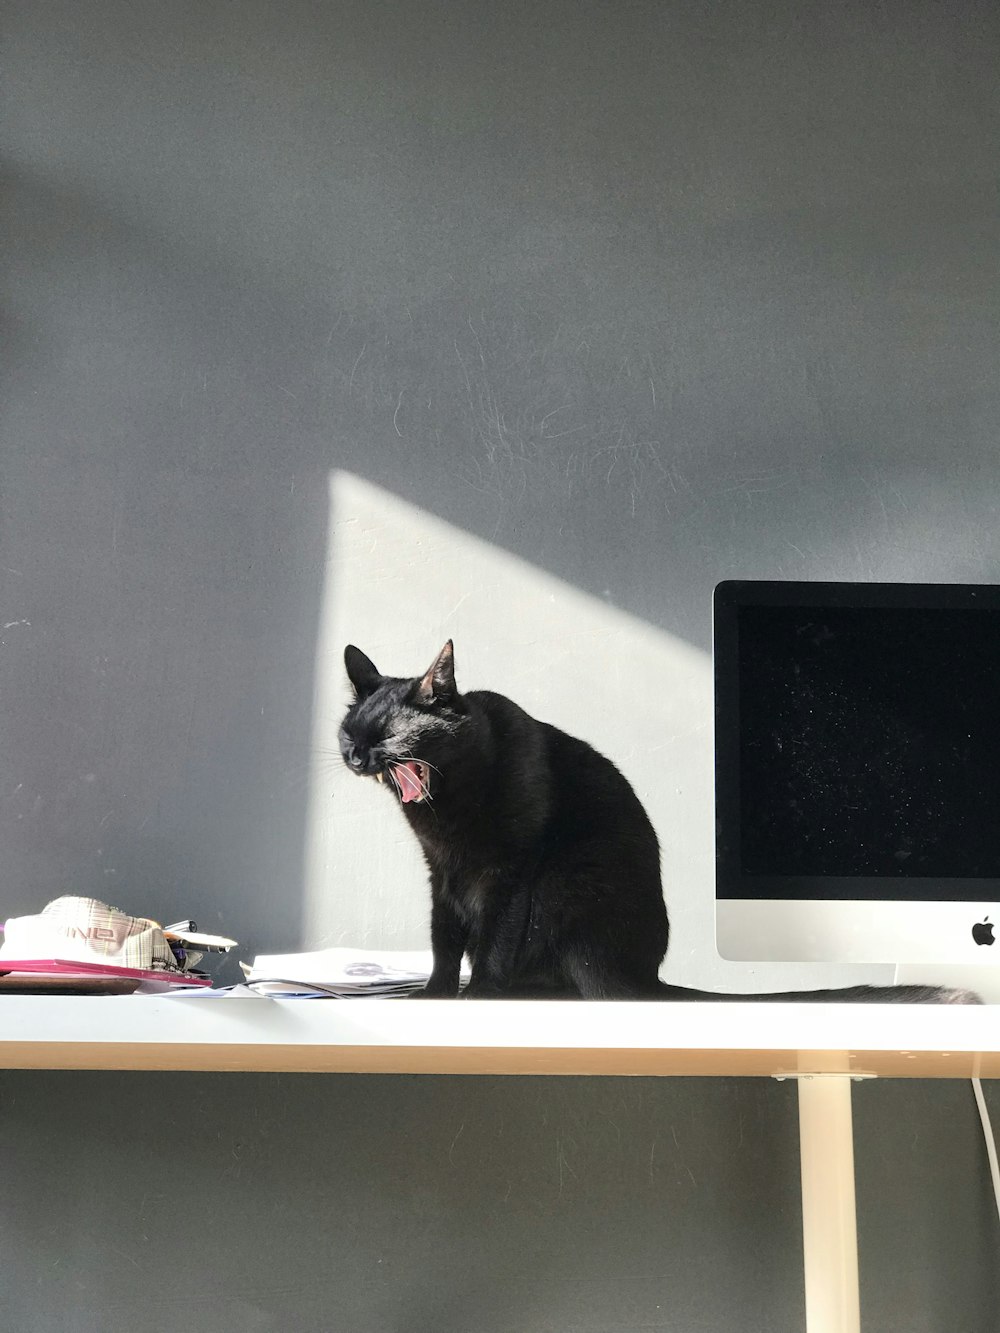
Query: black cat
x=544 y=867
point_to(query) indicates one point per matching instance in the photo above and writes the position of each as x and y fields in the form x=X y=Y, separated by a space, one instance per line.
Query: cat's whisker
x=425 y=786
x=415 y=759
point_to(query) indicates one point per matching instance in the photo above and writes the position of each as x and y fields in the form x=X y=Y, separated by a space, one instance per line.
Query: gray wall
x=623 y=299
x=313 y=1204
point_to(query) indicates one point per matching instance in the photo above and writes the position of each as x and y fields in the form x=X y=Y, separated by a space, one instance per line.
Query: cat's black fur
x=544 y=867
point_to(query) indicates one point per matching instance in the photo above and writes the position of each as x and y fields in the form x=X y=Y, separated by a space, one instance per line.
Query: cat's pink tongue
x=408 y=777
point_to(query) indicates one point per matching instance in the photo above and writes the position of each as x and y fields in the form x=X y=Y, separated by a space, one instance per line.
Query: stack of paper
x=341 y=973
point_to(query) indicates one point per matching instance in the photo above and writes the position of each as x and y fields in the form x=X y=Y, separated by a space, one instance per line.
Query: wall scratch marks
x=357 y=362
x=451 y=1150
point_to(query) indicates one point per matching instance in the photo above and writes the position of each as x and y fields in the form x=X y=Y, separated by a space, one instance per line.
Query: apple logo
x=982 y=931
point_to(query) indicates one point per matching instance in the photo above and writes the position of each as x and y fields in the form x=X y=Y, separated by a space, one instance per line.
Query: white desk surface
x=497 y=1037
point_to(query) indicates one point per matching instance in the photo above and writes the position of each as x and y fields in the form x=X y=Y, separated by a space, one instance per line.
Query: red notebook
x=63 y=967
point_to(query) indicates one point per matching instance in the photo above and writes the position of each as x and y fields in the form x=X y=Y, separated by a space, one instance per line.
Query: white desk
x=824 y=1046
x=497 y=1037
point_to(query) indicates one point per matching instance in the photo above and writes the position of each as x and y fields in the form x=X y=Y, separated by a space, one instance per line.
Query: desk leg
x=829 y=1219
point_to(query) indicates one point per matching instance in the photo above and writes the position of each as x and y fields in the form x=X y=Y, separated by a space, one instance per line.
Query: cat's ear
x=438 y=681
x=362 y=672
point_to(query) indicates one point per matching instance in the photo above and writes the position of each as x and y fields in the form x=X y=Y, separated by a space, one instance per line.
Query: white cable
x=991 y=1147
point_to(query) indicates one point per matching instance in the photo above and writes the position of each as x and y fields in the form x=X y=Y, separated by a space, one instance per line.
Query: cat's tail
x=843 y=995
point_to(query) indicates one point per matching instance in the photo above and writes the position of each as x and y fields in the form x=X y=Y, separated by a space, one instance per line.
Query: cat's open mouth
x=410 y=778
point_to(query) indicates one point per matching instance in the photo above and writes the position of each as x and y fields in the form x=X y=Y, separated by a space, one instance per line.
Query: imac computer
x=857 y=747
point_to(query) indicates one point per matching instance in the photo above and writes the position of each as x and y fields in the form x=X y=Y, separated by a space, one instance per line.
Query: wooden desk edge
x=581 y=1062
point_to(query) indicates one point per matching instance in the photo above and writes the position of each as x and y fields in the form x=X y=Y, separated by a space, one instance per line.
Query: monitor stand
x=981 y=978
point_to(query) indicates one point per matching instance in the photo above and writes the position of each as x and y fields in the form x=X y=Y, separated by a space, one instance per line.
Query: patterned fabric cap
x=86 y=930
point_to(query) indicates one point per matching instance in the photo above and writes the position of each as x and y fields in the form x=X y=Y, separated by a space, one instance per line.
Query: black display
x=859 y=727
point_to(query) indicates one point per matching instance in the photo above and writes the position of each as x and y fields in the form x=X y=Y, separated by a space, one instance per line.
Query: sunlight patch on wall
x=399 y=582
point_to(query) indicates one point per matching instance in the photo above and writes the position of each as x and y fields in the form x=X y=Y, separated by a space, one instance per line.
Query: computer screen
x=857 y=758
